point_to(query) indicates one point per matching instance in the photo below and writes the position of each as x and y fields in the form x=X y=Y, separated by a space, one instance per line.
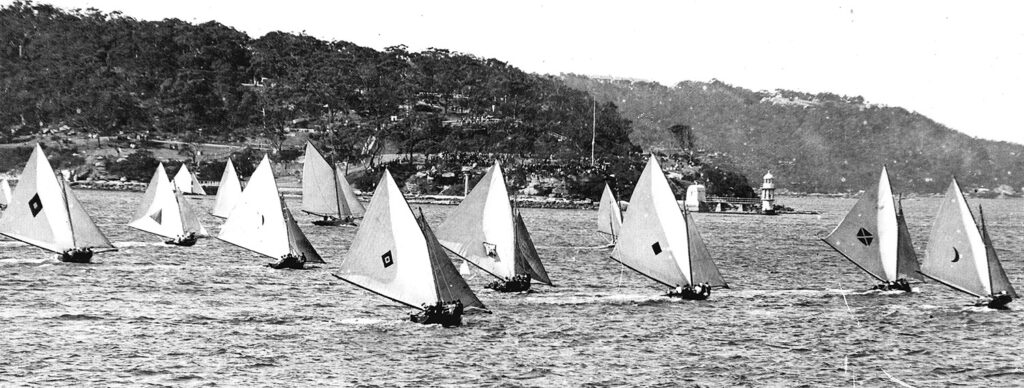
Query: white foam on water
x=364 y=321
x=596 y=299
x=130 y=244
x=33 y=259
x=805 y=293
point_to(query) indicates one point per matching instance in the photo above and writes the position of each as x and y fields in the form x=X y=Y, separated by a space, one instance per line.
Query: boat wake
x=798 y=292
x=580 y=299
x=602 y=247
x=133 y=244
x=368 y=322
x=32 y=260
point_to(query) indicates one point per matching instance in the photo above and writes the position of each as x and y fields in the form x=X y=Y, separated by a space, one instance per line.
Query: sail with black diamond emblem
x=874 y=236
x=45 y=212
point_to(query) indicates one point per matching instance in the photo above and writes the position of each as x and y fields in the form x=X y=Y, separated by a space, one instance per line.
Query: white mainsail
x=481 y=230
x=325 y=191
x=871 y=236
x=163 y=212
x=158 y=212
x=609 y=216
x=394 y=255
x=655 y=239
x=319 y=185
x=261 y=222
x=959 y=254
x=228 y=193
x=45 y=212
x=257 y=223
x=187 y=183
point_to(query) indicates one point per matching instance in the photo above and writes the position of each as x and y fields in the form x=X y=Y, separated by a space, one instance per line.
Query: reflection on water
x=798 y=313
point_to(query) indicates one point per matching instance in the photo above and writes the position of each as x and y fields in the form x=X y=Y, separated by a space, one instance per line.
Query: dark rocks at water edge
x=110 y=185
x=522 y=202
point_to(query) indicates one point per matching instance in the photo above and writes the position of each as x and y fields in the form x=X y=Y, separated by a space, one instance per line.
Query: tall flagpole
x=593 y=134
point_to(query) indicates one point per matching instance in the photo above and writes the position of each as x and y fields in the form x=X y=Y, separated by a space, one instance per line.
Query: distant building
x=695 y=195
x=768 y=194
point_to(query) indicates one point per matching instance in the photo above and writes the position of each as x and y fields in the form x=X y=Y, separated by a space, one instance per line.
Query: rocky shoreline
x=523 y=202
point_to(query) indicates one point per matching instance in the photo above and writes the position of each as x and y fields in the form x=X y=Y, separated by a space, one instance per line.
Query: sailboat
x=45 y=212
x=609 y=216
x=227 y=193
x=326 y=192
x=5 y=194
x=262 y=223
x=187 y=183
x=662 y=243
x=395 y=255
x=961 y=256
x=874 y=236
x=165 y=212
x=485 y=232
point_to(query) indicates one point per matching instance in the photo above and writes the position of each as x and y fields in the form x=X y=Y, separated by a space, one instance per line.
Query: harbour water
x=214 y=315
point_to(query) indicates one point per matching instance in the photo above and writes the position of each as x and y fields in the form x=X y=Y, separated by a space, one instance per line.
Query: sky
x=959 y=63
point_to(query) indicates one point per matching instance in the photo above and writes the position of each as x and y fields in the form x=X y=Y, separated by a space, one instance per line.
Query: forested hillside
x=91 y=72
x=811 y=142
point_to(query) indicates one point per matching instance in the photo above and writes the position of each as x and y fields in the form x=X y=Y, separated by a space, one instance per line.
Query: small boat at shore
x=5 y=193
x=262 y=223
x=326 y=192
x=874 y=236
x=662 y=243
x=44 y=212
x=187 y=183
x=228 y=192
x=396 y=255
x=609 y=216
x=485 y=232
x=165 y=212
x=961 y=256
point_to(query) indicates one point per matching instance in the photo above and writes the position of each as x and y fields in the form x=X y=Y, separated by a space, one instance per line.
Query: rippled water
x=213 y=315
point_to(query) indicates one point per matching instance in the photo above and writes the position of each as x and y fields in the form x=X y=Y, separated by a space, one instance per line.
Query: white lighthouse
x=768 y=194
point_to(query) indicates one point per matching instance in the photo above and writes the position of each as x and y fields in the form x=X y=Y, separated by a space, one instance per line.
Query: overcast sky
x=959 y=63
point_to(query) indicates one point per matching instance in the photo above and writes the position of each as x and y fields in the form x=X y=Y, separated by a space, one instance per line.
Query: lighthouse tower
x=768 y=194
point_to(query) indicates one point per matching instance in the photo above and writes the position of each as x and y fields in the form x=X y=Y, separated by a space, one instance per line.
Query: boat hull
x=690 y=294
x=445 y=319
x=334 y=222
x=997 y=302
x=289 y=262
x=514 y=285
x=76 y=256
x=183 y=242
x=898 y=285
